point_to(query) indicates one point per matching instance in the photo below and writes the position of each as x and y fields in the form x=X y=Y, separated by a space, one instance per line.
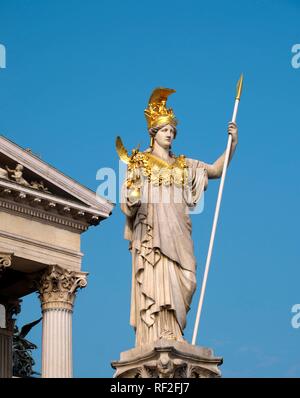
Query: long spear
x=213 y=232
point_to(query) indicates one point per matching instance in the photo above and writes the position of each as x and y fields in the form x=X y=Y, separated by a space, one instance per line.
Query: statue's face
x=165 y=136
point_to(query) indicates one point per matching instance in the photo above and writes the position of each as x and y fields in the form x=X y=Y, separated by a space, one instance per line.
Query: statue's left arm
x=215 y=170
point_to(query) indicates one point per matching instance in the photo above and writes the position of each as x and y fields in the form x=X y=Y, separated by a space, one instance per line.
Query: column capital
x=57 y=287
x=5 y=261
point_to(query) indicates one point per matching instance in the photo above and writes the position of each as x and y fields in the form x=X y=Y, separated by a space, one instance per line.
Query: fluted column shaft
x=57 y=343
x=6 y=365
x=57 y=293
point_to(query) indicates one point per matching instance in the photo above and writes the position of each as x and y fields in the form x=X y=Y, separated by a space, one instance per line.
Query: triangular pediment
x=26 y=174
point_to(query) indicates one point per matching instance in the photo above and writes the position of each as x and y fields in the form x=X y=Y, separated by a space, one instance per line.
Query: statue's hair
x=152 y=131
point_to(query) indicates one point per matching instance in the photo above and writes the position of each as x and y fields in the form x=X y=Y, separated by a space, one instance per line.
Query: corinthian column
x=57 y=289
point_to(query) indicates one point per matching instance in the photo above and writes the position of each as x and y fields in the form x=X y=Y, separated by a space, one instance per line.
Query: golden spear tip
x=239 y=87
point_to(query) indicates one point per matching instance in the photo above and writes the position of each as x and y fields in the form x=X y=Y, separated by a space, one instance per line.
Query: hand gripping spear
x=213 y=231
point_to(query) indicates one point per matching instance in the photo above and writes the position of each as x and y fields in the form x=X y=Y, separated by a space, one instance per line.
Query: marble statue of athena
x=158 y=194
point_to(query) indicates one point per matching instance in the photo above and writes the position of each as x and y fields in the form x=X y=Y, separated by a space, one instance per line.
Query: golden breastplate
x=156 y=170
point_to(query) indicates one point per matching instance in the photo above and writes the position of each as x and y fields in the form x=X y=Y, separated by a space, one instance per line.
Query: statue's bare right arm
x=215 y=170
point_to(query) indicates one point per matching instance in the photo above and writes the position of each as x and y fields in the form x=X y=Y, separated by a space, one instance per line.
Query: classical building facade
x=42 y=216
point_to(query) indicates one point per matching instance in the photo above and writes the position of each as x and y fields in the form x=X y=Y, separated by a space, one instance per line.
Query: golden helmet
x=157 y=114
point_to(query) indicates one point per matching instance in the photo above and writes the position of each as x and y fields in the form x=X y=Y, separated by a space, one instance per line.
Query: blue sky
x=80 y=72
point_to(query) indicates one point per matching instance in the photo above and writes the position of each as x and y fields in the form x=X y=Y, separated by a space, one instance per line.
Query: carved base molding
x=168 y=359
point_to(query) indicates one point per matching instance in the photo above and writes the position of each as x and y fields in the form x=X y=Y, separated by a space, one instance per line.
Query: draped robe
x=163 y=261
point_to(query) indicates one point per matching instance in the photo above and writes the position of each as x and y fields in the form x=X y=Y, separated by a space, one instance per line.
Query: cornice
x=44 y=207
x=54 y=176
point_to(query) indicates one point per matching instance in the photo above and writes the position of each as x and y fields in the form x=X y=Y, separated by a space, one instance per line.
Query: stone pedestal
x=57 y=293
x=168 y=359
